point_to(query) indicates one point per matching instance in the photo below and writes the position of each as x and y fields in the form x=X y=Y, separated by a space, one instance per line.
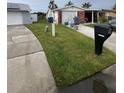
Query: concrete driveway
x=110 y=43
x=28 y=69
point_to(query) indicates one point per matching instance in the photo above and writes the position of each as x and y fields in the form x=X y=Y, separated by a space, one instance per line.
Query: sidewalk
x=110 y=43
x=28 y=69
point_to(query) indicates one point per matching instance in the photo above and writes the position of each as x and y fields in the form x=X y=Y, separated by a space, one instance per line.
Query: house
x=67 y=14
x=110 y=13
x=40 y=15
x=18 y=14
x=34 y=17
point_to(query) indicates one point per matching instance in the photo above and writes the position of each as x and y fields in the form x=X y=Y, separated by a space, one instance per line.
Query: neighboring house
x=18 y=14
x=110 y=13
x=67 y=14
x=34 y=17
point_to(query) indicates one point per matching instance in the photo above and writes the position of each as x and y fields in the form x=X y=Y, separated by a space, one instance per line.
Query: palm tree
x=114 y=7
x=52 y=5
x=69 y=3
x=86 y=5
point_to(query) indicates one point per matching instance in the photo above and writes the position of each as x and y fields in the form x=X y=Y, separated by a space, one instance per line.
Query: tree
x=52 y=5
x=69 y=3
x=86 y=5
x=114 y=7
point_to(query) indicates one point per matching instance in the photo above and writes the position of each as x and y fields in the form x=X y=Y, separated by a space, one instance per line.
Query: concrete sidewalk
x=110 y=43
x=28 y=69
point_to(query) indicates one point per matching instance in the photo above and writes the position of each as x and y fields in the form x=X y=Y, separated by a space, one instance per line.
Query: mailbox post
x=102 y=32
x=53 y=25
x=51 y=18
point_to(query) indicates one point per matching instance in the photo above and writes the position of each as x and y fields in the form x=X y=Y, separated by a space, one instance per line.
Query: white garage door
x=68 y=16
x=14 y=18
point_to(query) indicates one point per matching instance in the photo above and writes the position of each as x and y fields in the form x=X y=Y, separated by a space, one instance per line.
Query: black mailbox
x=102 y=32
x=50 y=19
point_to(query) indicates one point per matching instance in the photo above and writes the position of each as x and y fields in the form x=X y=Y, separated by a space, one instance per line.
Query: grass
x=92 y=25
x=70 y=54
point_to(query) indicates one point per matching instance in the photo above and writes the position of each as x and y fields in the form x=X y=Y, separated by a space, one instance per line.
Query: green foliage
x=86 y=5
x=69 y=3
x=52 y=5
x=42 y=20
x=102 y=19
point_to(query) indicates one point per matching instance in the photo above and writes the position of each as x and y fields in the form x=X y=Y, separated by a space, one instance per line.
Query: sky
x=42 y=5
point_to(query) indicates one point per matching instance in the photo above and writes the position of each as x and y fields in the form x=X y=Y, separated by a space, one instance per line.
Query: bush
x=42 y=20
x=102 y=19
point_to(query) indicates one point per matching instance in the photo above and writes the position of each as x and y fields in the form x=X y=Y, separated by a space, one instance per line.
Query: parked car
x=113 y=24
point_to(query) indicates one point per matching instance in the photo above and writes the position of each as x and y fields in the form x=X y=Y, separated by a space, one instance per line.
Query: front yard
x=93 y=25
x=90 y=25
x=70 y=54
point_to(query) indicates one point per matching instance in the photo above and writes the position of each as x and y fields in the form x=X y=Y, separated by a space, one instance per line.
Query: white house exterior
x=34 y=17
x=18 y=14
x=67 y=14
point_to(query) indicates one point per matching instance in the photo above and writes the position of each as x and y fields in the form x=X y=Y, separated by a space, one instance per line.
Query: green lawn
x=70 y=54
x=91 y=25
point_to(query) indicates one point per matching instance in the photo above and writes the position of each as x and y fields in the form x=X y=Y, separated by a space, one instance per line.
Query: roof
x=105 y=10
x=71 y=6
x=17 y=7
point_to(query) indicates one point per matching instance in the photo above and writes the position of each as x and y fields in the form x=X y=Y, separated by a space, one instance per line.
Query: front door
x=81 y=15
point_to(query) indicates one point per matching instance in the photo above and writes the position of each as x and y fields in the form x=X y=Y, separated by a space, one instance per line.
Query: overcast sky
x=42 y=5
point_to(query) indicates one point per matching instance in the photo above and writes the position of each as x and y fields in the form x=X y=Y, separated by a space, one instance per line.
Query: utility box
x=102 y=33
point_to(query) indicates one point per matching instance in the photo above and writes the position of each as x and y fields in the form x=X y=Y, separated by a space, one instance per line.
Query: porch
x=91 y=16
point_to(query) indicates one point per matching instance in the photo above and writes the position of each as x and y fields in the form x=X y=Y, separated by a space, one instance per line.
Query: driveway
x=28 y=69
x=110 y=43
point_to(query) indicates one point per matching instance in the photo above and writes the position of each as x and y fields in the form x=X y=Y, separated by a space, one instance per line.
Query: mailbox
x=102 y=32
x=50 y=19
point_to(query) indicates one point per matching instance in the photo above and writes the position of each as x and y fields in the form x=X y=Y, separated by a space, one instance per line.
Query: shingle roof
x=17 y=7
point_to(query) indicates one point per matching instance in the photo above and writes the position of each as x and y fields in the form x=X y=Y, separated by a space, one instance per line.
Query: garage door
x=14 y=18
x=68 y=16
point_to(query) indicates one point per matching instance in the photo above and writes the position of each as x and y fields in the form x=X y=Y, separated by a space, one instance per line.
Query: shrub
x=102 y=19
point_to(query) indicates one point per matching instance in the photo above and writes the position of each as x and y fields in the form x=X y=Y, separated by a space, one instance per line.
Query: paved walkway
x=110 y=43
x=28 y=70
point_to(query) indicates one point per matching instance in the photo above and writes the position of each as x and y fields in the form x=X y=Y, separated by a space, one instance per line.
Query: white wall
x=56 y=17
x=26 y=18
x=18 y=18
x=68 y=16
x=34 y=17
x=14 y=18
